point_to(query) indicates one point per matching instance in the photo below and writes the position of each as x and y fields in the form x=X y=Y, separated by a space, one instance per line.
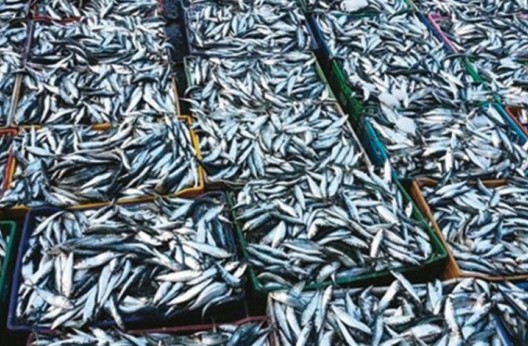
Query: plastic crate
x=8 y=228
x=187 y=192
x=453 y=271
x=429 y=270
x=317 y=66
x=229 y=307
x=189 y=11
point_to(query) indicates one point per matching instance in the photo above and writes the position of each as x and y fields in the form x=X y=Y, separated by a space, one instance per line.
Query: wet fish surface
x=355 y=6
x=328 y=226
x=466 y=142
x=437 y=313
x=93 y=41
x=260 y=31
x=155 y=260
x=238 y=146
x=483 y=225
x=63 y=9
x=474 y=8
x=396 y=61
x=247 y=334
x=65 y=166
x=13 y=9
x=255 y=84
x=97 y=94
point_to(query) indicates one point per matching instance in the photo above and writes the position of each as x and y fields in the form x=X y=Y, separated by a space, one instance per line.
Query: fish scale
x=259 y=31
x=66 y=166
x=496 y=245
x=96 y=95
x=327 y=226
x=248 y=334
x=238 y=146
x=446 y=313
x=461 y=143
x=125 y=256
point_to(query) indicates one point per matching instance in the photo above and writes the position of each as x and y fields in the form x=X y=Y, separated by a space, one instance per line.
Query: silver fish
x=260 y=31
x=354 y=6
x=92 y=41
x=96 y=95
x=465 y=142
x=66 y=166
x=6 y=142
x=483 y=225
x=4 y=241
x=13 y=10
x=63 y=9
x=239 y=146
x=474 y=8
x=255 y=83
x=245 y=334
x=396 y=61
x=328 y=226
x=437 y=313
x=169 y=257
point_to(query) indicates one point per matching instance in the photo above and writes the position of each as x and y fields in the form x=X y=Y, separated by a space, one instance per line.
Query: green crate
x=318 y=71
x=431 y=269
x=345 y=95
x=8 y=228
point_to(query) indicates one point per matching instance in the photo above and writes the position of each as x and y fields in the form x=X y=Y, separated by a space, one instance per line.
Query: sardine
x=110 y=263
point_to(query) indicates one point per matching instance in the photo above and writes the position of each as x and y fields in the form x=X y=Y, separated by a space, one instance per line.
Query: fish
x=521 y=115
x=437 y=313
x=156 y=260
x=239 y=146
x=255 y=83
x=357 y=6
x=98 y=94
x=227 y=31
x=483 y=225
x=396 y=61
x=245 y=334
x=454 y=143
x=122 y=40
x=473 y=8
x=64 y=9
x=13 y=10
x=13 y=35
x=64 y=166
x=328 y=227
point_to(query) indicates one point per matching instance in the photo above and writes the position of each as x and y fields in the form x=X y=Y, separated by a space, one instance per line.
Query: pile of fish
x=96 y=94
x=474 y=8
x=247 y=334
x=352 y=6
x=5 y=152
x=63 y=9
x=153 y=260
x=463 y=143
x=66 y=166
x=450 y=313
x=238 y=146
x=265 y=30
x=484 y=225
x=12 y=39
x=521 y=115
x=395 y=60
x=327 y=226
x=13 y=9
x=507 y=77
x=255 y=84
x=94 y=41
